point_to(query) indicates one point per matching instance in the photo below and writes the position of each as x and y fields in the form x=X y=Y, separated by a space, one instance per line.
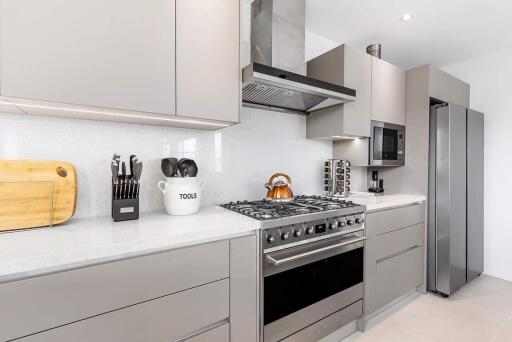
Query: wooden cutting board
x=29 y=189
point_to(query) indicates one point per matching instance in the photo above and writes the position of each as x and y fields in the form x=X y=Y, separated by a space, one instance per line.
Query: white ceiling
x=443 y=32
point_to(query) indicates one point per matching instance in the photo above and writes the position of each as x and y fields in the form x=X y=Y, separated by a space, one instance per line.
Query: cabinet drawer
x=381 y=222
x=398 y=275
x=398 y=241
x=40 y=303
x=168 y=318
x=219 y=334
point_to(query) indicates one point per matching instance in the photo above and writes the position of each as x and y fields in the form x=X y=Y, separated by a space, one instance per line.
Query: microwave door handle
x=278 y=262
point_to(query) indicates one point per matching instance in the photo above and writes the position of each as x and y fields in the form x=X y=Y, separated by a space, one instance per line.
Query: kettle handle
x=279 y=174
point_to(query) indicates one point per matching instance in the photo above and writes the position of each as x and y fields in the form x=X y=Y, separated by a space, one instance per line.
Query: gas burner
x=300 y=205
x=333 y=206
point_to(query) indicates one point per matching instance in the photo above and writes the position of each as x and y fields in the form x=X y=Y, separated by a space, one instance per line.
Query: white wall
x=491 y=92
x=236 y=161
x=317 y=44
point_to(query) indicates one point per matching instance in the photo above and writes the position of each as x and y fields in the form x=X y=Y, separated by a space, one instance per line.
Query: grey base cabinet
x=394 y=255
x=169 y=318
x=201 y=293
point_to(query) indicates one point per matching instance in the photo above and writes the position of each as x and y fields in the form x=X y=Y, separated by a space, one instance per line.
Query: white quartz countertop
x=83 y=242
x=382 y=202
x=89 y=241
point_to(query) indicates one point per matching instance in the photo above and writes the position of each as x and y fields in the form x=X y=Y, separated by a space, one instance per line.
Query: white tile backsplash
x=235 y=161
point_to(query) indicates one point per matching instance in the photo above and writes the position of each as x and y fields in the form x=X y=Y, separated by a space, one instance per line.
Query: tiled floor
x=481 y=311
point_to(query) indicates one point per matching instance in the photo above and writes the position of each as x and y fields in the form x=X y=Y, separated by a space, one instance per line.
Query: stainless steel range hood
x=276 y=77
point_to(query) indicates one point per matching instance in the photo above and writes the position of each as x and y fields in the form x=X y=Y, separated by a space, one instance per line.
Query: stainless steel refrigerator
x=455 y=206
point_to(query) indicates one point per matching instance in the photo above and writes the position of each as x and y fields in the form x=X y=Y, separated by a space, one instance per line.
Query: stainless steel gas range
x=311 y=265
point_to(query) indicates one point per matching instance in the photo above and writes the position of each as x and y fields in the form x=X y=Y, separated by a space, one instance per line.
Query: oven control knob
x=285 y=236
x=310 y=230
x=270 y=238
x=297 y=233
x=359 y=220
x=341 y=224
x=333 y=225
x=349 y=222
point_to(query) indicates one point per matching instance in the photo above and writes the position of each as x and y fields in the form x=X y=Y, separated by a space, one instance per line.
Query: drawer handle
x=399 y=253
x=203 y=330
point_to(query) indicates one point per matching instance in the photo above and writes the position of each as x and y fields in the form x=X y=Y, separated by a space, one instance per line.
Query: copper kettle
x=279 y=190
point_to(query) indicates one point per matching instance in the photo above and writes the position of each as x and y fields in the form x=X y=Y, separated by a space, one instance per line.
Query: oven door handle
x=278 y=262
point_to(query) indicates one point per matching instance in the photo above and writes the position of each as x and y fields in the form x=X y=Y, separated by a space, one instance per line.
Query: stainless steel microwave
x=387 y=144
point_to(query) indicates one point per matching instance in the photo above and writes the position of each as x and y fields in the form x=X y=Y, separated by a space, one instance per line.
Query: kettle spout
x=268 y=186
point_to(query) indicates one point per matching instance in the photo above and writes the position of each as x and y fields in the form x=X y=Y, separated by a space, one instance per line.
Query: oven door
x=387 y=145
x=307 y=283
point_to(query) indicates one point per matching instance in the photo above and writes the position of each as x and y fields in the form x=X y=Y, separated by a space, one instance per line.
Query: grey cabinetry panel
x=244 y=290
x=439 y=84
x=475 y=193
x=164 y=319
x=388 y=92
x=36 y=304
x=398 y=275
x=350 y=67
x=388 y=220
x=208 y=59
x=445 y=87
x=219 y=334
x=394 y=255
x=398 y=241
x=115 y=54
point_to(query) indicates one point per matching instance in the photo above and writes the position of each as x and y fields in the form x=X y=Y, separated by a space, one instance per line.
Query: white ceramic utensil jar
x=182 y=196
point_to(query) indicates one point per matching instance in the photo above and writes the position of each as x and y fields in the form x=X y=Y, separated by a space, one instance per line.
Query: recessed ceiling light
x=406 y=17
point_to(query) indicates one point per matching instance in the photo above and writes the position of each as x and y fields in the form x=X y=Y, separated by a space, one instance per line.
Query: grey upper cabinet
x=114 y=54
x=160 y=62
x=350 y=67
x=445 y=87
x=208 y=59
x=388 y=92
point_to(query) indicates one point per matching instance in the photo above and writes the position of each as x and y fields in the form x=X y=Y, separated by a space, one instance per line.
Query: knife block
x=124 y=209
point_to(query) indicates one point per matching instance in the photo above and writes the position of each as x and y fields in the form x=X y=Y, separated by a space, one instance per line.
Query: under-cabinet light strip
x=139 y=116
